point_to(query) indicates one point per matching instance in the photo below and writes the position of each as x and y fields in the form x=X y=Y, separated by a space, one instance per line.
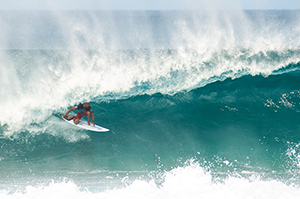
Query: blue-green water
x=197 y=104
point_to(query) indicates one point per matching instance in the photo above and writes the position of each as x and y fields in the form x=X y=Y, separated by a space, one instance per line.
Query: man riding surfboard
x=82 y=110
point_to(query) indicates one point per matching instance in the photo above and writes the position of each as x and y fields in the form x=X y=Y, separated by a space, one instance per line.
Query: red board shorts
x=80 y=115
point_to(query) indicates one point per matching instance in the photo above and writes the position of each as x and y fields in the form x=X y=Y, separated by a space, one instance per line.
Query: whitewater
x=200 y=104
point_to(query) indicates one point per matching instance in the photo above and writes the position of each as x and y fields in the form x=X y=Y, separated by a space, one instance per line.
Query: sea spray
x=189 y=181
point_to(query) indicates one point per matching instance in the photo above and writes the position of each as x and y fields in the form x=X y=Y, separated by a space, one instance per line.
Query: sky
x=148 y=4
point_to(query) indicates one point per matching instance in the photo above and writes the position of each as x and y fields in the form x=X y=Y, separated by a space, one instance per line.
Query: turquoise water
x=198 y=104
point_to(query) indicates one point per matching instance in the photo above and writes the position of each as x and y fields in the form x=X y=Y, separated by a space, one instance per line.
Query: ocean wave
x=50 y=80
x=94 y=56
x=189 y=181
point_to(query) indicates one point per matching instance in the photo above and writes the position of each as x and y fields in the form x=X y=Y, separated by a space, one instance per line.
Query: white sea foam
x=182 y=182
x=47 y=88
x=206 y=49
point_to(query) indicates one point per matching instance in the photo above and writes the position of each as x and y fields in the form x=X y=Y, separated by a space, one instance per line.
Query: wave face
x=192 y=99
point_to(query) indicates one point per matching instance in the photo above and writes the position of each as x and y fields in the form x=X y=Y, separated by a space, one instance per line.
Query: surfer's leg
x=78 y=117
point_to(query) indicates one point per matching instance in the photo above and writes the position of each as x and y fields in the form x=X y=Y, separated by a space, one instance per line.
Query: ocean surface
x=200 y=104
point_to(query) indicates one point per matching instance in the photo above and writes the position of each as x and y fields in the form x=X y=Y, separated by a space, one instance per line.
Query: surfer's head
x=85 y=104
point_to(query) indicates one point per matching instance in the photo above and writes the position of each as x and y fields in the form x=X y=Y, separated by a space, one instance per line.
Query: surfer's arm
x=71 y=109
x=93 y=117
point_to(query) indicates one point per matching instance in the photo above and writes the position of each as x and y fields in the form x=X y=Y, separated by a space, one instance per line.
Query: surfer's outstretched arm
x=93 y=117
x=89 y=115
x=71 y=109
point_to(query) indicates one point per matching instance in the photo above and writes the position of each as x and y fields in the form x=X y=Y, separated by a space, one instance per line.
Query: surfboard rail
x=84 y=125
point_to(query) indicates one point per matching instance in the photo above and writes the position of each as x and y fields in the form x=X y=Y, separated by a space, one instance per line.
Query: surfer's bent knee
x=76 y=121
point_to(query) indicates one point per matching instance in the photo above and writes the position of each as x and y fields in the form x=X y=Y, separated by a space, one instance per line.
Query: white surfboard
x=83 y=124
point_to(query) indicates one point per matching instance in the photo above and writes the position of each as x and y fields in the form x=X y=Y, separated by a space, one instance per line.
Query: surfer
x=82 y=110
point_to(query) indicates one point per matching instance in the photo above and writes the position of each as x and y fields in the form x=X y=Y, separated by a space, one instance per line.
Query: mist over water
x=103 y=30
x=193 y=99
